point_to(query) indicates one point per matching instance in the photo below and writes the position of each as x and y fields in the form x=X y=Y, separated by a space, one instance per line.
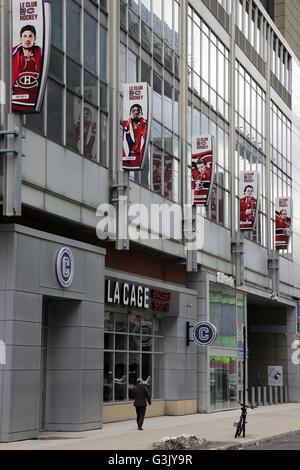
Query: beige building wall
x=287 y=19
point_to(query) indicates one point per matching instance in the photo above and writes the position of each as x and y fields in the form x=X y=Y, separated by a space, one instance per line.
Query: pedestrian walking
x=141 y=397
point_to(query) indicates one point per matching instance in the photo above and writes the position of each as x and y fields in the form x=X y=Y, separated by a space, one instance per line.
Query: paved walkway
x=264 y=423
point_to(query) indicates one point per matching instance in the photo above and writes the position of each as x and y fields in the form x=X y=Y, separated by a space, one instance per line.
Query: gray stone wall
x=75 y=335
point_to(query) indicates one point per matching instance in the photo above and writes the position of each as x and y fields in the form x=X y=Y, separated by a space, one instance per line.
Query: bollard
x=286 y=397
x=280 y=394
x=258 y=396
x=270 y=395
x=252 y=396
x=264 y=395
x=275 y=395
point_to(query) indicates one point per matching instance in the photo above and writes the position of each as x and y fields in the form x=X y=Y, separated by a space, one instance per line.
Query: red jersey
x=89 y=137
x=201 y=185
x=134 y=139
x=247 y=220
x=25 y=78
x=282 y=232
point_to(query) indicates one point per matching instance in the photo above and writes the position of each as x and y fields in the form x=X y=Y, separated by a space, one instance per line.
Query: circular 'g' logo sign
x=65 y=267
x=204 y=333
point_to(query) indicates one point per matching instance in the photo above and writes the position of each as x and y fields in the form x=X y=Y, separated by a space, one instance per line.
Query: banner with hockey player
x=136 y=125
x=31 y=24
x=283 y=222
x=202 y=169
x=248 y=199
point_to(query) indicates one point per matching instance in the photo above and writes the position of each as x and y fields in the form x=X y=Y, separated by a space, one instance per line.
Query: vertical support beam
x=274 y=268
x=122 y=241
x=12 y=168
x=238 y=251
x=191 y=239
x=232 y=106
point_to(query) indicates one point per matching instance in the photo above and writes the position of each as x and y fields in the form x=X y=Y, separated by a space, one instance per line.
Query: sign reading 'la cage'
x=137 y=295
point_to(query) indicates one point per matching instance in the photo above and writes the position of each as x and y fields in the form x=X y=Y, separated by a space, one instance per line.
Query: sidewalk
x=264 y=423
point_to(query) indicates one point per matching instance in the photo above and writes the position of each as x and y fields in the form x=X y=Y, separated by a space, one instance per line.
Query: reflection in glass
x=223 y=382
x=120 y=376
x=133 y=371
x=108 y=377
x=156 y=170
x=90 y=42
x=73 y=30
x=72 y=119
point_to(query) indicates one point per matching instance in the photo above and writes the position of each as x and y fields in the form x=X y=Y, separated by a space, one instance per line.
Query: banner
x=248 y=199
x=283 y=214
x=136 y=125
x=31 y=23
x=202 y=169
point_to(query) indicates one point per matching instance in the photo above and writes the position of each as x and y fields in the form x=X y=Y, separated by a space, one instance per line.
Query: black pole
x=244 y=377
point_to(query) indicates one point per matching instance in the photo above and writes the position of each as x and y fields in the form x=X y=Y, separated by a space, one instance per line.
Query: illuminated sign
x=137 y=295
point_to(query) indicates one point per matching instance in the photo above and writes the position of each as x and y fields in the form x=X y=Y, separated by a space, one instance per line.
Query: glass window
x=55 y=111
x=134 y=347
x=73 y=122
x=223 y=382
x=90 y=43
x=73 y=30
x=56 y=23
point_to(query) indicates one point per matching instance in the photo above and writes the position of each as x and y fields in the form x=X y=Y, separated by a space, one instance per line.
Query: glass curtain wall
x=75 y=110
x=149 y=52
x=227 y=313
x=208 y=108
x=281 y=160
x=250 y=147
x=133 y=347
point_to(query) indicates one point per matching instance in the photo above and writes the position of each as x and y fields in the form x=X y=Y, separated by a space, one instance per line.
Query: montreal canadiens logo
x=28 y=80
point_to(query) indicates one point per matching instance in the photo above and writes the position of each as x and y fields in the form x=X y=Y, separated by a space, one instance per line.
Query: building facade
x=83 y=310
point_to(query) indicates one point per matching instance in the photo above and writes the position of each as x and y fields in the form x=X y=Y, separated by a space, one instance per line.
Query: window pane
x=90 y=88
x=103 y=139
x=54 y=111
x=89 y=132
x=120 y=376
x=156 y=171
x=73 y=122
x=73 y=30
x=147 y=370
x=133 y=371
x=56 y=64
x=56 y=23
x=108 y=377
x=74 y=76
x=108 y=321
x=90 y=43
x=103 y=54
x=121 y=342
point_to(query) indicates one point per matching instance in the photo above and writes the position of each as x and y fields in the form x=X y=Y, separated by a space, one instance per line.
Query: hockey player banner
x=202 y=169
x=31 y=23
x=248 y=199
x=283 y=218
x=136 y=125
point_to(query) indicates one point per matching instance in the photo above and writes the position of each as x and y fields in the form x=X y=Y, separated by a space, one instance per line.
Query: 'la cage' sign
x=137 y=295
x=31 y=23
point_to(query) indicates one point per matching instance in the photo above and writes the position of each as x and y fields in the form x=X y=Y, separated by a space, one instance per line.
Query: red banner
x=202 y=169
x=136 y=125
x=30 y=54
x=282 y=222
x=248 y=199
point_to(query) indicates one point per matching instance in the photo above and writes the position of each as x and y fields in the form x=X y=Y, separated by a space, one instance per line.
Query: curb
x=253 y=442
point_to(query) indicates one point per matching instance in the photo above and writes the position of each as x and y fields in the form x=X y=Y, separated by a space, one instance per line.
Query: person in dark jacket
x=141 y=397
